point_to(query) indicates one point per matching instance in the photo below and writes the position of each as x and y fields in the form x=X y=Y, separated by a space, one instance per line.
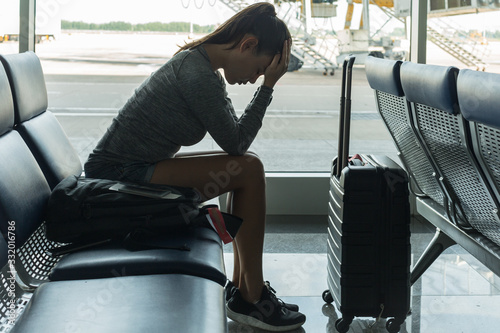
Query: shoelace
x=272 y=292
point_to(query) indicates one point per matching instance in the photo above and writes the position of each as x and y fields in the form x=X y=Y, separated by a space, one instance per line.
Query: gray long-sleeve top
x=175 y=107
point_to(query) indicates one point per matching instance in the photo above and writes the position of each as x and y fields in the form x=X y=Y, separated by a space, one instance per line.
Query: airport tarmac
x=299 y=132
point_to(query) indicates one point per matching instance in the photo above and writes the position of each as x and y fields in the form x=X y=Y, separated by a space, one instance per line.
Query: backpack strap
x=77 y=246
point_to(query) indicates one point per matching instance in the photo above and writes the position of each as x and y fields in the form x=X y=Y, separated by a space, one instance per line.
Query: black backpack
x=90 y=211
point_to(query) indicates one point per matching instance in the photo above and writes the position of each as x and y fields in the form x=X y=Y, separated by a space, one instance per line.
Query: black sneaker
x=230 y=289
x=289 y=306
x=268 y=313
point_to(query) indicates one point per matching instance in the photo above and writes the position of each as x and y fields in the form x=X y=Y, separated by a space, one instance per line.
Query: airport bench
x=102 y=289
x=447 y=139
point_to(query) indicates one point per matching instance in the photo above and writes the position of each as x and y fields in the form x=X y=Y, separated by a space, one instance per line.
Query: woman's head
x=258 y=20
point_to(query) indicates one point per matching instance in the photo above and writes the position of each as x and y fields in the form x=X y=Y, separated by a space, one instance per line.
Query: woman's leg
x=216 y=173
x=236 y=266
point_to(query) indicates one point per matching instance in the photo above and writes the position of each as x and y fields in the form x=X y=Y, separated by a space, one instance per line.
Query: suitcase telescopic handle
x=345 y=114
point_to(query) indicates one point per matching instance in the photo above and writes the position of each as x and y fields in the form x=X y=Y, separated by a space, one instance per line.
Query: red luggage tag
x=354 y=160
x=216 y=220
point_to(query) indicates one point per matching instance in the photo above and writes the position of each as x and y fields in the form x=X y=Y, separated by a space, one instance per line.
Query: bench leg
x=438 y=244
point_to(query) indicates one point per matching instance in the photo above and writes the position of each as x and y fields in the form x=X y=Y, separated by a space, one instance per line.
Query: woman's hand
x=278 y=66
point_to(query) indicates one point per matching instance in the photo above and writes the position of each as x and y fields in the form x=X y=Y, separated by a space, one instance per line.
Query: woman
x=176 y=106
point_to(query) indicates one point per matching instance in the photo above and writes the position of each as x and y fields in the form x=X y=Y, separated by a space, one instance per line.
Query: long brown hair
x=258 y=20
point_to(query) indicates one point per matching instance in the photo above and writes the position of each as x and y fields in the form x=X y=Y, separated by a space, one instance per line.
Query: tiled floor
x=456 y=294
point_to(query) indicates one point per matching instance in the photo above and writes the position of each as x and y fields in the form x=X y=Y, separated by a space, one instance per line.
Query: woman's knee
x=236 y=172
x=246 y=168
x=253 y=166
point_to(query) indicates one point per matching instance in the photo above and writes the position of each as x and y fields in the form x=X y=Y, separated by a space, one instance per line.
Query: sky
x=205 y=12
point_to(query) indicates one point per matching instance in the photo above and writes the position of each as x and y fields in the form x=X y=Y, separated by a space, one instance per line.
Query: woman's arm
x=207 y=98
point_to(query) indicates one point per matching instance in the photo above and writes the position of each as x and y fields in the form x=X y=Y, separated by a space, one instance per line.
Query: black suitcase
x=368 y=232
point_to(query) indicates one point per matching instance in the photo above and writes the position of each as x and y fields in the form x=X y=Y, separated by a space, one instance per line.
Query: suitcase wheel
x=342 y=325
x=327 y=296
x=393 y=326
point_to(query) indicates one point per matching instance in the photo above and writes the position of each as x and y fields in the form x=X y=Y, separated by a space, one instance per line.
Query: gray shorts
x=131 y=171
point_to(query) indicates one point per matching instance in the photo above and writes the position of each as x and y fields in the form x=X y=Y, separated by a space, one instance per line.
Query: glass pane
x=9 y=27
x=458 y=3
x=437 y=4
x=97 y=58
x=469 y=40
